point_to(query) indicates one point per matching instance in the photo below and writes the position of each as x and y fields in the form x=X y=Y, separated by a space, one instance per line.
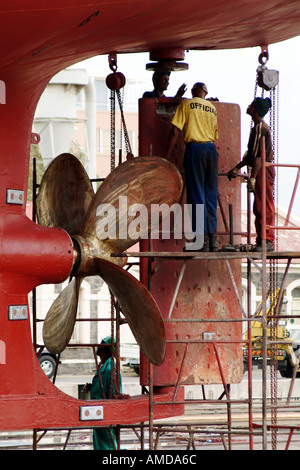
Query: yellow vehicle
x=281 y=342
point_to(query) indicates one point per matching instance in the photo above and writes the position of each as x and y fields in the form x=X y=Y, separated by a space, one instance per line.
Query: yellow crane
x=279 y=341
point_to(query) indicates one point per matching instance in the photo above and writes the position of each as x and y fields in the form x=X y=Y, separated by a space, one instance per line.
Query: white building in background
x=56 y=113
x=130 y=94
x=73 y=114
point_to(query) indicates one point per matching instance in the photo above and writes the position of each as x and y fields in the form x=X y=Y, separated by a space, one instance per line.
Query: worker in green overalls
x=104 y=438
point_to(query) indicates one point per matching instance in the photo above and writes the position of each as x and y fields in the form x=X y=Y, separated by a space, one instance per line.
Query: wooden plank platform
x=208 y=255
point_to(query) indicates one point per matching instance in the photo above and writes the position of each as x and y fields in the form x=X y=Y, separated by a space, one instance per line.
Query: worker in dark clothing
x=257 y=110
x=161 y=82
x=104 y=438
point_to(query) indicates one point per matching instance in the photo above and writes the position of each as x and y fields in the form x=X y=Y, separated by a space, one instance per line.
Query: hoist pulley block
x=115 y=81
x=266 y=79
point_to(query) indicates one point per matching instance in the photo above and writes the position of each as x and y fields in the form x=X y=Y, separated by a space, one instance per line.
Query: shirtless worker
x=197 y=119
x=160 y=81
x=257 y=110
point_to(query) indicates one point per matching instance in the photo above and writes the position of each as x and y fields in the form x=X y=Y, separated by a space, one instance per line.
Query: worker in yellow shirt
x=197 y=119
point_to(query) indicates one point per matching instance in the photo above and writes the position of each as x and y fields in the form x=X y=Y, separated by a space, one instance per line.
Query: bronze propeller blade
x=60 y=320
x=147 y=181
x=139 y=308
x=140 y=185
x=65 y=194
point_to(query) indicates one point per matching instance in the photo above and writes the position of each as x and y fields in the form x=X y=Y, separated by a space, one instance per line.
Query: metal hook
x=112 y=60
x=264 y=54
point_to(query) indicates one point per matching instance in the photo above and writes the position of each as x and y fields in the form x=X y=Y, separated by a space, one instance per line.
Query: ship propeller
x=99 y=225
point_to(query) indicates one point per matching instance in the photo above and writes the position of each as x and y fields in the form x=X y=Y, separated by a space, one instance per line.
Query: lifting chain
x=126 y=136
x=274 y=271
x=115 y=391
x=113 y=383
x=111 y=84
x=273 y=324
x=112 y=130
x=115 y=81
x=268 y=81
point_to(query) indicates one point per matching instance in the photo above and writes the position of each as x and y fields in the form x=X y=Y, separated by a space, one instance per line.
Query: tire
x=48 y=364
x=288 y=371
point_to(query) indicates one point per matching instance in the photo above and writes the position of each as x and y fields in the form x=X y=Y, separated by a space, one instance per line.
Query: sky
x=230 y=75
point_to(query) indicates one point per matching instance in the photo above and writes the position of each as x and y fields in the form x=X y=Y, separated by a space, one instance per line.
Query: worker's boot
x=213 y=242
x=258 y=246
x=205 y=246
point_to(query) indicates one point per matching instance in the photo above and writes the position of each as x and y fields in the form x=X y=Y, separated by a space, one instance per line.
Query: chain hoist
x=115 y=82
x=268 y=81
x=274 y=269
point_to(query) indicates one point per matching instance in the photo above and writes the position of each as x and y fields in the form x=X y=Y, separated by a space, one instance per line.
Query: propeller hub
x=86 y=251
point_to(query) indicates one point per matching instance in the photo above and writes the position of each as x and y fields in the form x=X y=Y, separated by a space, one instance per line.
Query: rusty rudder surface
x=206 y=291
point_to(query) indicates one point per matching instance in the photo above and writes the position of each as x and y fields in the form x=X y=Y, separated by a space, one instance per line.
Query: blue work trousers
x=201 y=173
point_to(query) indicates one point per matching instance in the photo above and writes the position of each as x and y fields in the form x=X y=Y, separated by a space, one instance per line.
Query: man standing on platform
x=257 y=110
x=197 y=119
